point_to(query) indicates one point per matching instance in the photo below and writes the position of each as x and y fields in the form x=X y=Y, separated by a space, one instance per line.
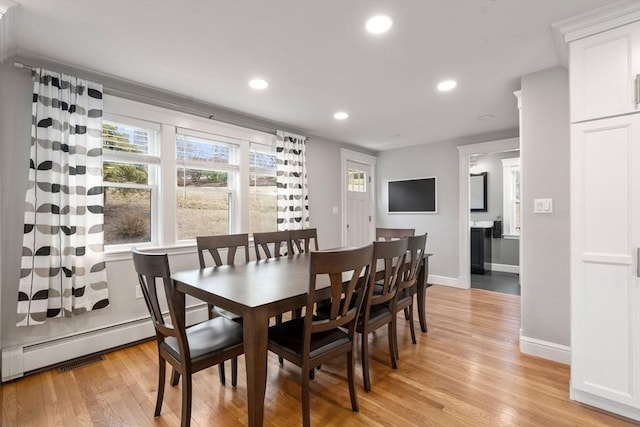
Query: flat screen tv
x=413 y=195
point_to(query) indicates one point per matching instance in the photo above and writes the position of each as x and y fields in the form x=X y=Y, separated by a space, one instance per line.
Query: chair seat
x=208 y=338
x=290 y=335
x=377 y=313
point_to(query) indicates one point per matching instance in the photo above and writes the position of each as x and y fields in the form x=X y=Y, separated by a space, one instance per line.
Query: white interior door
x=358 y=181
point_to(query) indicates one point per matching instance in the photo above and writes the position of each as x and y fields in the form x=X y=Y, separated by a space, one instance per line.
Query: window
x=511 y=196
x=129 y=173
x=356 y=181
x=206 y=182
x=170 y=176
x=263 y=196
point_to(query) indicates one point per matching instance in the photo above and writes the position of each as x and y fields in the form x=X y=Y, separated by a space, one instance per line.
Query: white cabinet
x=605 y=287
x=603 y=70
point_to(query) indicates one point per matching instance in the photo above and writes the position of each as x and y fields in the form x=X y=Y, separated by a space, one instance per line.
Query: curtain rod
x=167 y=104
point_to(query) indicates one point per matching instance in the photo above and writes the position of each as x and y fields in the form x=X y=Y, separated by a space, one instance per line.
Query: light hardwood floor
x=467 y=370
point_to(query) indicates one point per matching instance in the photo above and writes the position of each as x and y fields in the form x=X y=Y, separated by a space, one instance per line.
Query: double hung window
x=170 y=177
x=130 y=175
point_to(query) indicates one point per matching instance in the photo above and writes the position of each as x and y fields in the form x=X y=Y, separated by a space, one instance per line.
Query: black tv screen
x=413 y=195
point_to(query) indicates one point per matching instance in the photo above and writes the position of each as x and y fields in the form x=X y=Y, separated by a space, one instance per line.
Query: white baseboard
x=545 y=349
x=446 y=281
x=505 y=268
x=604 y=404
x=16 y=361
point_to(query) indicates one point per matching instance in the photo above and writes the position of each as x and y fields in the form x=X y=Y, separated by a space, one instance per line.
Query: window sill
x=124 y=254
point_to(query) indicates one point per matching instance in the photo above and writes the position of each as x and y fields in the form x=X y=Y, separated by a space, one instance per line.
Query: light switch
x=542 y=205
x=335 y=210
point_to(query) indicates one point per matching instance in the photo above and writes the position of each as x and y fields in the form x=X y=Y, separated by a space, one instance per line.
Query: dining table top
x=254 y=284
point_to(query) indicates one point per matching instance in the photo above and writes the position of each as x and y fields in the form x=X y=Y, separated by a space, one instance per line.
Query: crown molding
x=7 y=29
x=592 y=22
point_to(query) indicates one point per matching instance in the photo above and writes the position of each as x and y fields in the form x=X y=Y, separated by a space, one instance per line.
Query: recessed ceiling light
x=379 y=24
x=446 y=85
x=258 y=84
x=340 y=115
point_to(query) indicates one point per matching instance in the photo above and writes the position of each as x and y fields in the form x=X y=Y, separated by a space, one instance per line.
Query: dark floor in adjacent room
x=497 y=281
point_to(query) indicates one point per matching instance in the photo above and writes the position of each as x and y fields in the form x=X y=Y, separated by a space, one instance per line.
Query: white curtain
x=293 y=197
x=63 y=270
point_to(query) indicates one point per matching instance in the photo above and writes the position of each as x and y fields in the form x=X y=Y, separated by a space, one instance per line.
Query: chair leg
x=352 y=382
x=175 y=377
x=365 y=361
x=162 y=370
x=234 y=371
x=306 y=415
x=406 y=313
x=223 y=379
x=396 y=347
x=312 y=374
x=210 y=311
x=411 y=326
x=186 y=401
x=392 y=345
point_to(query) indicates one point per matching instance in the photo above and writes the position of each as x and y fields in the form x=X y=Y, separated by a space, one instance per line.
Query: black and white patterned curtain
x=63 y=272
x=293 y=197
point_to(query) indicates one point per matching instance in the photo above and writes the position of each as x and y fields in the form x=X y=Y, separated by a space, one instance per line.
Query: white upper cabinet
x=604 y=69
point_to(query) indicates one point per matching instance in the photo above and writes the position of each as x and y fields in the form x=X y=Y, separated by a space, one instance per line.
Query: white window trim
x=169 y=123
x=507 y=185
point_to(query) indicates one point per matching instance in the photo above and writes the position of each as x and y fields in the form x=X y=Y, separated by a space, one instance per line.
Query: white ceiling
x=317 y=58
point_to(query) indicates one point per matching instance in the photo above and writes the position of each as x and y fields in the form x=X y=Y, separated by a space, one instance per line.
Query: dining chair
x=393 y=233
x=212 y=246
x=187 y=349
x=377 y=309
x=310 y=341
x=303 y=240
x=275 y=238
x=407 y=284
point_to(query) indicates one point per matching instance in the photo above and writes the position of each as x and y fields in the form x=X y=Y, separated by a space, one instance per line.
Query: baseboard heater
x=20 y=361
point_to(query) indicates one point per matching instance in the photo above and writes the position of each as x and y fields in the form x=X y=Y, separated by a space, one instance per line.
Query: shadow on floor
x=496 y=281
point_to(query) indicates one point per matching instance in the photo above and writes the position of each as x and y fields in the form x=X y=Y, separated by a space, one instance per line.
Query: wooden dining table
x=257 y=291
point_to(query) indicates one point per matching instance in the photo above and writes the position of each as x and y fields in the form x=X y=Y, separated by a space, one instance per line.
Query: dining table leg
x=255 y=329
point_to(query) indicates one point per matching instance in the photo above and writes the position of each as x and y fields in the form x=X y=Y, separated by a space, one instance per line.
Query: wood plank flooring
x=467 y=370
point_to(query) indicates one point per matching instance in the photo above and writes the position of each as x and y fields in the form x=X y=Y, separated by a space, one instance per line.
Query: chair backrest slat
x=275 y=238
x=304 y=240
x=348 y=271
x=231 y=242
x=392 y=253
x=153 y=270
x=416 y=247
x=394 y=233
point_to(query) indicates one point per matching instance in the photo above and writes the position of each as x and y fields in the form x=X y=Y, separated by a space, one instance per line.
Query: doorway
x=358 y=198
x=466 y=152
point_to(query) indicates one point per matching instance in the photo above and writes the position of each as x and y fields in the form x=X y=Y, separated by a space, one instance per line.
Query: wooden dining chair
x=407 y=284
x=303 y=240
x=394 y=233
x=187 y=349
x=310 y=341
x=212 y=245
x=277 y=239
x=377 y=309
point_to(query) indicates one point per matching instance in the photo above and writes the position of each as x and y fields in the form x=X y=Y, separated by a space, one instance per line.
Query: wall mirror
x=478 y=192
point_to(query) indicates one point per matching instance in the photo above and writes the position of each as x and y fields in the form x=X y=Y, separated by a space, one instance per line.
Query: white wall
x=439 y=159
x=15 y=116
x=545 y=237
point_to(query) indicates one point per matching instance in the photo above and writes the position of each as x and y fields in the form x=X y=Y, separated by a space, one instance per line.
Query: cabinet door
x=603 y=73
x=605 y=226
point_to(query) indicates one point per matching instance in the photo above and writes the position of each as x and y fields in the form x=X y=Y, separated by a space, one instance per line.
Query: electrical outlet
x=139 y=292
